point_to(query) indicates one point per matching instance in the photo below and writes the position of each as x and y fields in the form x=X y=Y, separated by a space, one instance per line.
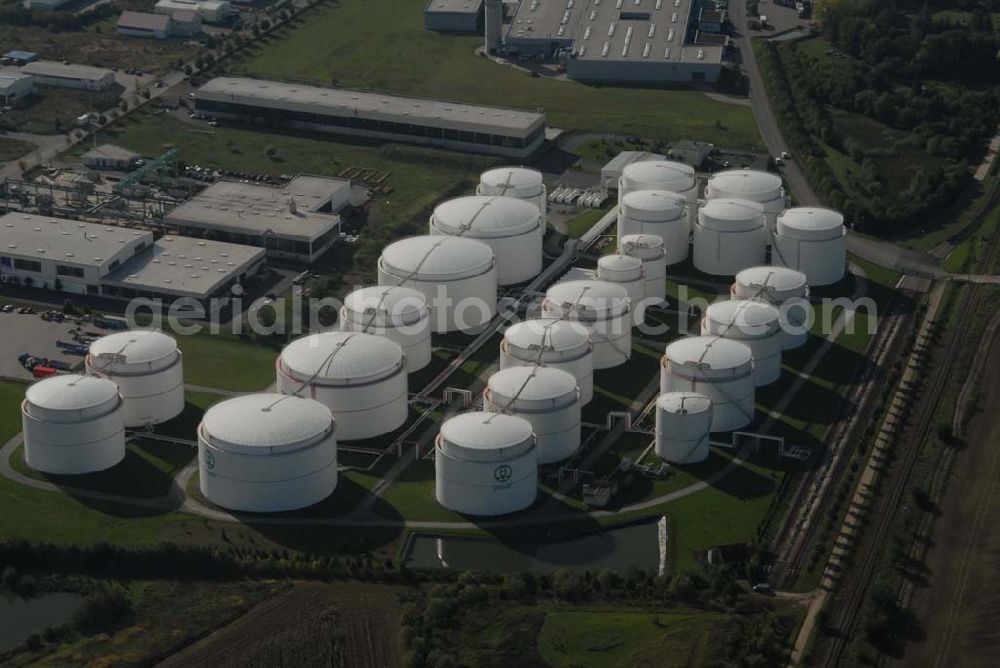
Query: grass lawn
x=55 y=110
x=384 y=46
x=226 y=363
x=968 y=253
x=617 y=637
x=12 y=149
x=586 y=220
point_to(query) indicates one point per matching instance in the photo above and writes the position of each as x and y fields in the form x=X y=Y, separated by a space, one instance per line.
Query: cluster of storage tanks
x=741 y=222
x=277 y=451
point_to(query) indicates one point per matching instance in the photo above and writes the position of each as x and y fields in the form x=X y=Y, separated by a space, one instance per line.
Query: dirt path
x=367 y=613
x=961 y=609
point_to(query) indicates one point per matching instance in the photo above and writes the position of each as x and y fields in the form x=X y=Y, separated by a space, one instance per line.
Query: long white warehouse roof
x=338 y=101
x=66 y=241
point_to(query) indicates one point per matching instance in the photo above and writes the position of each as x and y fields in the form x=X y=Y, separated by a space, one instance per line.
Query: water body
x=636 y=545
x=24 y=616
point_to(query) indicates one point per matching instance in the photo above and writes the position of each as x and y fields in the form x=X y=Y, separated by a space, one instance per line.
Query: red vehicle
x=41 y=371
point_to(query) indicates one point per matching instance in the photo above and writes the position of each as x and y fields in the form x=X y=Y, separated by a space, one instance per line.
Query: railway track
x=908 y=447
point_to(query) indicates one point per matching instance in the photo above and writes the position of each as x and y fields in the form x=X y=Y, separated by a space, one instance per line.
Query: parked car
x=763 y=588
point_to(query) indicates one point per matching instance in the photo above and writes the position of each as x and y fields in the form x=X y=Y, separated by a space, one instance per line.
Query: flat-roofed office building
x=472 y=128
x=458 y=16
x=297 y=221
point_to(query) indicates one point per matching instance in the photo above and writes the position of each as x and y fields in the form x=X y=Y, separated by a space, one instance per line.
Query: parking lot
x=28 y=333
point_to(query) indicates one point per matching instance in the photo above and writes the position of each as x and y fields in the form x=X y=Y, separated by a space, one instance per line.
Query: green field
x=599 y=638
x=383 y=46
x=582 y=223
x=226 y=363
x=12 y=149
x=55 y=110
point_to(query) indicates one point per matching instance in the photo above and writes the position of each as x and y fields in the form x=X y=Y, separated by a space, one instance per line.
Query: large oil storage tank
x=523 y=183
x=666 y=175
x=486 y=464
x=267 y=453
x=683 y=424
x=755 y=323
x=730 y=235
x=756 y=186
x=73 y=424
x=812 y=240
x=657 y=212
x=511 y=227
x=603 y=308
x=399 y=314
x=360 y=377
x=785 y=288
x=547 y=398
x=554 y=343
x=148 y=370
x=457 y=275
x=626 y=271
x=721 y=369
x=649 y=249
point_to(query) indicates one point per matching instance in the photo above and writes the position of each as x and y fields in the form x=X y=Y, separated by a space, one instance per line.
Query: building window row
x=63 y=270
x=27 y=265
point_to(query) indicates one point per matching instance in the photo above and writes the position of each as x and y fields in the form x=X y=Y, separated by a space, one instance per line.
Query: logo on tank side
x=502 y=473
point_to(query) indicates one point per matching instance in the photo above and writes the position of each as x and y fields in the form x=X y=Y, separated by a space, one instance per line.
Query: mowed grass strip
x=598 y=638
x=383 y=46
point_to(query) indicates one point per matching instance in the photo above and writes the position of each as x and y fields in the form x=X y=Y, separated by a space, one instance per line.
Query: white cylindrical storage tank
x=721 y=369
x=756 y=186
x=812 y=240
x=266 y=453
x=462 y=270
x=649 y=249
x=547 y=398
x=148 y=370
x=683 y=424
x=600 y=306
x=553 y=343
x=730 y=235
x=73 y=424
x=485 y=464
x=757 y=324
x=397 y=313
x=657 y=212
x=785 y=288
x=360 y=377
x=523 y=183
x=667 y=175
x=511 y=227
x=626 y=271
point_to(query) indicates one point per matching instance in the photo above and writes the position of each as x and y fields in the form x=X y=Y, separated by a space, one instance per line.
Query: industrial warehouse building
x=454 y=15
x=98 y=260
x=144 y=24
x=14 y=84
x=109 y=156
x=82 y=77
x=463 y=127
x=297 y=221
x=210 y=11
x=644 y=41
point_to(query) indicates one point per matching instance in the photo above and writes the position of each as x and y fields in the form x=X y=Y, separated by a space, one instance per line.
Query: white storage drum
x=662 y=175
x=399 y=314
x=657 y=212
x=756 y=324
x=626 y=271
x=756 y=186
x=786 y=289
x=683 y=424
x=603 y=308
x=812 y=240
x=649 y=249
x=522 y=183
x=360 y=377
x=553 y=343
x=730 y=235
x=486 y=464
x=721 y=369
x=547 y=398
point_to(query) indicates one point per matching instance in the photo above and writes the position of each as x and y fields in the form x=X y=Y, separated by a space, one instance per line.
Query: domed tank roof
x=393 y=303
x=532 y=383
x=683 y=403
x=479 y=430
x=512 y=181
x=619 y=263
x=658 y=204
x=712 y=352
x=777 y=279
x=748 y=184
x=550 y=334
x=597 y=298
x=482 y=216
x=341 y=357
x=89 y=395
x=259 y=423
x=745 y=314
x=660 y=174
x=810 y=222
x=731 y=215
x=136 y=347
x=643 y=241
x=437 y=257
